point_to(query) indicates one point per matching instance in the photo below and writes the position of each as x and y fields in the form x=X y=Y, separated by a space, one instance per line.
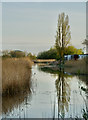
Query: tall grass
x=16 y=73
x=77 y=66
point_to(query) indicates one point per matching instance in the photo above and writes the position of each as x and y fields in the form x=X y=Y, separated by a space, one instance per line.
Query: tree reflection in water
x=63 y=93
x=62 y=88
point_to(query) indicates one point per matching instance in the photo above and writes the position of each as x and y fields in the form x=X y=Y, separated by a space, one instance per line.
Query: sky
x=87 y=20
x=31 y=26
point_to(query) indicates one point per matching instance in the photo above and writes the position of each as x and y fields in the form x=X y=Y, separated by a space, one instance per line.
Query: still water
x=51 y=95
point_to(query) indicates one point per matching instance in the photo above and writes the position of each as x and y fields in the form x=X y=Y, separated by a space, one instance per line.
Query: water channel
x=51 y=95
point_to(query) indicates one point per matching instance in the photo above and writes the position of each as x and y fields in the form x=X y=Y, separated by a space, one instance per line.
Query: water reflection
x=63 y=93
x=85 y=90
x=9 y=102
x=62 y=88
x=56 y=83
x=67 y=88
x=83 y=78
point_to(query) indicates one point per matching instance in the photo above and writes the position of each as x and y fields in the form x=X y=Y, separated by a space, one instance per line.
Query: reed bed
x=77 y=66
x=16 y=73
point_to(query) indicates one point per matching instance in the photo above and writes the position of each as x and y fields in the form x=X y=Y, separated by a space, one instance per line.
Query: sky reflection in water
x=51 y=93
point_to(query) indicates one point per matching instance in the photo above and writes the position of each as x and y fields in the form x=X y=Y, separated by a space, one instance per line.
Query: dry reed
x=77 y=66
x=16 y=73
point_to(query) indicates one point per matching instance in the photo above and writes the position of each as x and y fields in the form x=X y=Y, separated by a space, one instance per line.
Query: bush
x=53 y=54
x=33 y=57
x=5 y=54
x=17 y=54
x=50 y=54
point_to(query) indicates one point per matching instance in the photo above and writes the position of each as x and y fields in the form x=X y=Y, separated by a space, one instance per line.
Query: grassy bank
x=77 y=66
x=16 y=73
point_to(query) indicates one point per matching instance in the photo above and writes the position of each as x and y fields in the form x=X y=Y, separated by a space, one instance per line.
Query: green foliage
x=5 y=54
x=14 y=54
x=50 y=54
x=31 y=56
x=78 y=72
x=17 y=54
x=63 y=38
x=53 y=54
x=71 y=50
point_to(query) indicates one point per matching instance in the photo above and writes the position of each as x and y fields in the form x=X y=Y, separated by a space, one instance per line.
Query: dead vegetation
x=77 y=66
x=16 y=73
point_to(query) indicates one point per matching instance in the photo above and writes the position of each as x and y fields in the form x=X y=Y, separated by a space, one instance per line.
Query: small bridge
x=44 y=60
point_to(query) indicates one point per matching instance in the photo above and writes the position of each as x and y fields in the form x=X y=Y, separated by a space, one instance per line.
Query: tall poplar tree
x=63 y=35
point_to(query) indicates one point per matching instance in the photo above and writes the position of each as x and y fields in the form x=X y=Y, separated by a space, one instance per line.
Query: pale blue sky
x=32 y=26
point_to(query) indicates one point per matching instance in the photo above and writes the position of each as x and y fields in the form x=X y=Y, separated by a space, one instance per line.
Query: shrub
x=17 y=54
x=50 y=54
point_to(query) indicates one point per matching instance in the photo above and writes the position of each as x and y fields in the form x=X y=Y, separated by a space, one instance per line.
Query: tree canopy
x=52 y=53
x=71 y=50
x=49 y=54
x=17 y=54
x=63 y=35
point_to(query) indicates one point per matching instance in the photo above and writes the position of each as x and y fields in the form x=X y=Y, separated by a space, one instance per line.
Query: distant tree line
x=52 y=53
x=17 y=54
x=49 y=54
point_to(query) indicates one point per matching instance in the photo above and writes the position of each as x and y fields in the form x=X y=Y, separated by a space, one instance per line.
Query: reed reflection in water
x=65 y=89
x=16 y=83
x=11 y=102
